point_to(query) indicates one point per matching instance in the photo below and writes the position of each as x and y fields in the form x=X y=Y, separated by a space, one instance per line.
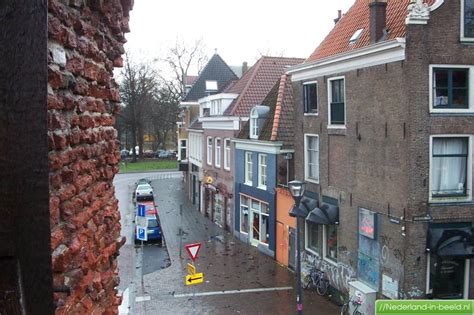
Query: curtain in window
x=449 y=166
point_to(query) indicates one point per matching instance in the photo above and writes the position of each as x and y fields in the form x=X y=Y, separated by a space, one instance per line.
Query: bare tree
x=182 y=56
x=136 y=89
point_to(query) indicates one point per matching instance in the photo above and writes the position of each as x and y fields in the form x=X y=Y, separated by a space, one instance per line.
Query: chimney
x=378 y=9
x=339 y=15
x=245 y=67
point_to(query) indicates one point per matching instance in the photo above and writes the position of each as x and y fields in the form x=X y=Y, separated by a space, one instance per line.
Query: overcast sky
x=239 y=30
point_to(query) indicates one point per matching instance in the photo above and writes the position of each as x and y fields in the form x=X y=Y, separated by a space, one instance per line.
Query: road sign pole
x=180 y=229
x=143 y=284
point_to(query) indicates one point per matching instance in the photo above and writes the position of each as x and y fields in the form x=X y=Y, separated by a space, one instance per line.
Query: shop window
x=244 y=214
x=314 y=236
x=330 y=239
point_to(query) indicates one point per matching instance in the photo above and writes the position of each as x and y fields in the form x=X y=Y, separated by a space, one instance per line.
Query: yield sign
x=193 y=250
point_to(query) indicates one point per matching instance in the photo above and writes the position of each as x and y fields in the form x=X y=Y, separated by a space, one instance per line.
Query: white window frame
x=330 y=126
x=468 y=175
x=226 y=154
x=209 y=150
x=262 y=168
x=306 y=158
x=248 y=168
x=217 y=152
x=467 y=265
x=317 y=99
x=462 y=37
x=470 y=91
x=254 y=124
x=306 y=238
x=325 y=237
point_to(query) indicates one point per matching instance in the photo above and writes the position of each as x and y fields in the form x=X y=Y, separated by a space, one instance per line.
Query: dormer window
x=355 y=36
x=254 y=123
x=258 y=115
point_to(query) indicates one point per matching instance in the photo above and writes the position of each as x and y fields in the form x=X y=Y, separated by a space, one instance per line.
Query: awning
x=306 y=205
x=325 y=214
x=451 y=241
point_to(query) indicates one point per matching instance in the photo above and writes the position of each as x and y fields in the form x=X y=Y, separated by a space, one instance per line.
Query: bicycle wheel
x=307 y=282
x=344 y=309
x=322 y=286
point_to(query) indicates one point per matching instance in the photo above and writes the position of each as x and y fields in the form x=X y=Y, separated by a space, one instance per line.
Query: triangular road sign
x=193 y=250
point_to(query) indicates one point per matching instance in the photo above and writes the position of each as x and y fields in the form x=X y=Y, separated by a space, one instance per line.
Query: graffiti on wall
x=338 y=274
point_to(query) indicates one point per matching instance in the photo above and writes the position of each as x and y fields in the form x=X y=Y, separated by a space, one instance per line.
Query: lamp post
x=297 y=188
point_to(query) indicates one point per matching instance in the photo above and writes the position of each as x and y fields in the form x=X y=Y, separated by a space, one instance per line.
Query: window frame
x=209 y=150
x=248 y=168
x=451 y=199
x=253 y=124
x=306 y=111
x=217 y=151
x=306 y=158
x=262 y=167
x=330 y=81
x=462 y=36
x=306 y=239
x=470 y=89
x=227 y=154
x=241 y=214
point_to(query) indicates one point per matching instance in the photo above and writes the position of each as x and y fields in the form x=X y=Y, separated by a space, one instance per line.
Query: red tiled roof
x=257 y=82
x=337 y=41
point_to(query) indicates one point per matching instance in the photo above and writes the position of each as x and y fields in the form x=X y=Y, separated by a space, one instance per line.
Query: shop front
x=450 y=250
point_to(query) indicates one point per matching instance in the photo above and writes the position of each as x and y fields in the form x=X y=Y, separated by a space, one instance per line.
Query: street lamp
x=297 y=188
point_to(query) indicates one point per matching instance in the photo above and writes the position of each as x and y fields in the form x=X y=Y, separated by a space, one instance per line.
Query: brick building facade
x=366 y=105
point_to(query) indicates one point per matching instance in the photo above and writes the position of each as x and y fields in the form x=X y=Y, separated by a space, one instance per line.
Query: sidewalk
x=228 y=265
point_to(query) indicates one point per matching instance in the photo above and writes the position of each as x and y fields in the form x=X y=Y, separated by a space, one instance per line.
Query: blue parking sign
x=141 y=233
x=141 y=210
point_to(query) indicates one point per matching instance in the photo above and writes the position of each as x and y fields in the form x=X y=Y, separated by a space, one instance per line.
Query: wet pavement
x=237 y=278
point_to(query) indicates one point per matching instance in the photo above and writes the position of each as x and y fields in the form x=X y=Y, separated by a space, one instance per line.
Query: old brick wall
x=434 y=43
x=85 y=43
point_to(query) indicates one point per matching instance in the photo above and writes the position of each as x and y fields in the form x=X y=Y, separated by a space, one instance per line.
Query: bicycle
x=356 y=301
x=315 y=279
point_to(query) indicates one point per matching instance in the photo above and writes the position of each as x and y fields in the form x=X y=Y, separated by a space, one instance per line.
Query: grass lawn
x=148 y=165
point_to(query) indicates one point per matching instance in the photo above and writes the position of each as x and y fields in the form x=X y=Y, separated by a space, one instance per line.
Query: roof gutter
x=379 y=53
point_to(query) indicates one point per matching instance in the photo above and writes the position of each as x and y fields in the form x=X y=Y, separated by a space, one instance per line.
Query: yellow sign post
x=194 y=279
x=191 y=269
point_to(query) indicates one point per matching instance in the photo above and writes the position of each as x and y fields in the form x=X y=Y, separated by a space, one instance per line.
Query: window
x=254 y=124
x=337 y=110
x=260 y=222
x=312 y=158
x=310 y=97
x=467 y=21
x=209 y=150
x=227 y=154
x=450 y=168
x=450 y=90
x=217 y=158
x=244 y=214
x=248 y=168
x=262 y=171
x=314 y=236
x=330 y=240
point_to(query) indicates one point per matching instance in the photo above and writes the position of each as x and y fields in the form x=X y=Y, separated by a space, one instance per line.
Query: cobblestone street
x=237 y=278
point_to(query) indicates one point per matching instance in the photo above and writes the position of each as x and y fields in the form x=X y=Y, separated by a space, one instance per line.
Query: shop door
x=447 y=277
x=282 y=245
x=291 y=248
x=255 y=230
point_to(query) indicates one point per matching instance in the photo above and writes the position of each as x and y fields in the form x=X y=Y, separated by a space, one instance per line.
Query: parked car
x=159 y=152
x=150 y=208
x=123 y=153
x=143 y=181
x=166 y=154
x=148 y=153
x=153 y=230
x=143 y=192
